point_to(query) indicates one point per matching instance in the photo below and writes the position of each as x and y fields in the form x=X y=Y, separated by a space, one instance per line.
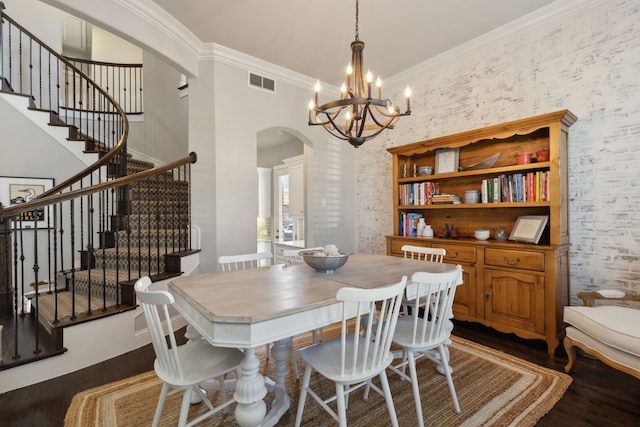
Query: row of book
x=519 y=187
x=418 y=193
x=528 y=187
x=409 y=223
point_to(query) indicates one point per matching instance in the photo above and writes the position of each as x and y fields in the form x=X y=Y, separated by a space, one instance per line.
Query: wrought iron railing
x=122 y=81
x=68 y=233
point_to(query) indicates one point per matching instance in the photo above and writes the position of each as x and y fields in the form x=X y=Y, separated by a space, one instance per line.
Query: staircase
x=150 y=240
x=113 y=222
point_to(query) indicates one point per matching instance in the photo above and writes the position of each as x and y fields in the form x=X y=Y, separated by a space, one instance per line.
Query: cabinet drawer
x=396 y=245
x=526 y=260
x=457 y=253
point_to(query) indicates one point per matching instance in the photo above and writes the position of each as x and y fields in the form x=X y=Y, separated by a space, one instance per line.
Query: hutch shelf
x=511 y=286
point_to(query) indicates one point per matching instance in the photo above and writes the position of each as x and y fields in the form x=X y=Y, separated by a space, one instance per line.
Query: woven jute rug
x=493 y=388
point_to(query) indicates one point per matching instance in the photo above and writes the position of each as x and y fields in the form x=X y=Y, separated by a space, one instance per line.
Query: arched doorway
x=281 y=190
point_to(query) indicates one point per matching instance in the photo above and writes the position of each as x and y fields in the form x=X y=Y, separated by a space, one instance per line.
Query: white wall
x=44 y=20
x=107 y=47
x=588 y=63
x=165 y=120
x=240 y=112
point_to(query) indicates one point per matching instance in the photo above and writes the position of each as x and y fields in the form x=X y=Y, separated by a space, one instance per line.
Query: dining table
x=249 y=308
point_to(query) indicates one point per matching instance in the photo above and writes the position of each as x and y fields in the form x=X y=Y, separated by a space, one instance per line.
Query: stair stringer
x=59 y=133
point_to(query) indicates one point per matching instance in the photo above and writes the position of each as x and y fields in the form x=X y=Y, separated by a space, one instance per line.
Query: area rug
x=493 y=388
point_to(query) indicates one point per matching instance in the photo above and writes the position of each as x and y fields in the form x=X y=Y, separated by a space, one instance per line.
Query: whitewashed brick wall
x=588 y=63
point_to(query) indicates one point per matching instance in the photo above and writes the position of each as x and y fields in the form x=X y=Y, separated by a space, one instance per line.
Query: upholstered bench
x=610 y=333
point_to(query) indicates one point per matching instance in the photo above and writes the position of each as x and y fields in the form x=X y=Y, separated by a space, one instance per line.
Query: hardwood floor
x=598 y=395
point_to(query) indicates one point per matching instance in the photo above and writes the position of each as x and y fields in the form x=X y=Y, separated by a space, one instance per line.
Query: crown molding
x=184 y=44
x=225 y=55
x=158 y=18
x=553 y=12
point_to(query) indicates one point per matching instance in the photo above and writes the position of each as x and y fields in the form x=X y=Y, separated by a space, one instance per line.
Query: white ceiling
x=313 y=38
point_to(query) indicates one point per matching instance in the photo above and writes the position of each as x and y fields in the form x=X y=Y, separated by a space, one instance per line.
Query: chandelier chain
x=357 y=13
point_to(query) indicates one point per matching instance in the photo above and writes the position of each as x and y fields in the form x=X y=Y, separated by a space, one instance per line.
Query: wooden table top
x=260 y=294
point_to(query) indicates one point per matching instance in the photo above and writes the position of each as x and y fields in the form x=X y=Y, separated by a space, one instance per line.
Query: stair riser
x=150 y=222
x=174 y=207
x=177 y=240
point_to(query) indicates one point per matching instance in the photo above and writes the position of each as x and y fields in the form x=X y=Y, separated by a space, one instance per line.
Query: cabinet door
x=464 y=304
x=515 y=300
x=296 y=189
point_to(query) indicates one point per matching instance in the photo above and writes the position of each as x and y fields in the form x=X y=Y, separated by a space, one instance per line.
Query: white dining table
x=253 y=307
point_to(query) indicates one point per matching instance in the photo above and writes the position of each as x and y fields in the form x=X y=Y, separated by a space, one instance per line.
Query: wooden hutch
x=511 y=286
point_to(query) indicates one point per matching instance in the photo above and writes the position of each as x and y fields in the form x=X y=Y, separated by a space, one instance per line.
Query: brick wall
x=588 y=63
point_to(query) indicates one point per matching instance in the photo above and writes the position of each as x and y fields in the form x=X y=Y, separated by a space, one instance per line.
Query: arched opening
x=281 y=190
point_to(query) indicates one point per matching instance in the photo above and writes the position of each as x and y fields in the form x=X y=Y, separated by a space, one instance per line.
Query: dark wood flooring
x=598 y=395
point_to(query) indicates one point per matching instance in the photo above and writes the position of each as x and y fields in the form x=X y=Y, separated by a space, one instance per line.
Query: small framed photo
x=529 y=228
x=17 y=190
x=447 y=160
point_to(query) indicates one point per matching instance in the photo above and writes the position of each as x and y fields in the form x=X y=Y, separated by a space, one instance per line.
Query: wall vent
x=261 y=82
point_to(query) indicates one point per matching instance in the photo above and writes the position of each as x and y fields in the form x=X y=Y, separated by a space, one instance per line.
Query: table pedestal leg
x=281 y=403
x=250 y=390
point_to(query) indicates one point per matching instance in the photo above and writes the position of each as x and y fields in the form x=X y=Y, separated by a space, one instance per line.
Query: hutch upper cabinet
x=513 y=286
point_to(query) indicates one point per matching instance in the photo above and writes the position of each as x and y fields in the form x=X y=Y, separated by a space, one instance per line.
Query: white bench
x=609 y=333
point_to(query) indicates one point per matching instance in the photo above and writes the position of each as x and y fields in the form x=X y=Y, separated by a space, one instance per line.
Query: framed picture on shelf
x=529 y=228
x=17 y=190
x=447 y=160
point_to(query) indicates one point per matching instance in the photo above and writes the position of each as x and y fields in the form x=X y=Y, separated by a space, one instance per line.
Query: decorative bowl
x=482 y=164
x=481 y=234
x=322 y=263
x=425 y=170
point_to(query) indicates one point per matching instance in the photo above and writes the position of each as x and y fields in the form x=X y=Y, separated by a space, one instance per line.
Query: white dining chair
x=242 y=261
x=429 y=255
x=360 y=353
x=184 y=367
x=427 y=328
x=422 y=253
x=254 y=260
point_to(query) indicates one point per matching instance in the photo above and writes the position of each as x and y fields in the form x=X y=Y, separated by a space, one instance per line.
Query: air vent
x=261 y=82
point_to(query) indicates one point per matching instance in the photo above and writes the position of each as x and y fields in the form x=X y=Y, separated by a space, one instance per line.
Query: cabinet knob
x=453 y=255
x=514 y=262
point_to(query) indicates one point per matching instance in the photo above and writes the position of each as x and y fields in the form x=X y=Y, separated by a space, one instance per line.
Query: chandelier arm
x=340 y=133
x=363 y=122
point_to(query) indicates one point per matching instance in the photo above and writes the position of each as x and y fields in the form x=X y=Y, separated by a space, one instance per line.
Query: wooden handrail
x=119 y=182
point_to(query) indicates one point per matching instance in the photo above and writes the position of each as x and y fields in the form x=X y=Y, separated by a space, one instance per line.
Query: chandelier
x=357 y=116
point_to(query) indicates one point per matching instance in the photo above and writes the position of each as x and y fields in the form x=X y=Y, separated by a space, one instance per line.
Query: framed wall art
x=529 y=228
x=447 y=160
x=17 y=190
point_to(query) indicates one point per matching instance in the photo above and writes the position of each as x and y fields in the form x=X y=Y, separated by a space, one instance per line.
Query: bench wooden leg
x=571 y=353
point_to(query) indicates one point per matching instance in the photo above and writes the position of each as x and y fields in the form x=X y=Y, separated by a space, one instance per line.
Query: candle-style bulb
x=407 y=93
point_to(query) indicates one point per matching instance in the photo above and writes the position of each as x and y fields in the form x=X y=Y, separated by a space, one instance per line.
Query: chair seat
x=199 y=359
x=403 y=335
x=615 y=326
x=325 y=358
